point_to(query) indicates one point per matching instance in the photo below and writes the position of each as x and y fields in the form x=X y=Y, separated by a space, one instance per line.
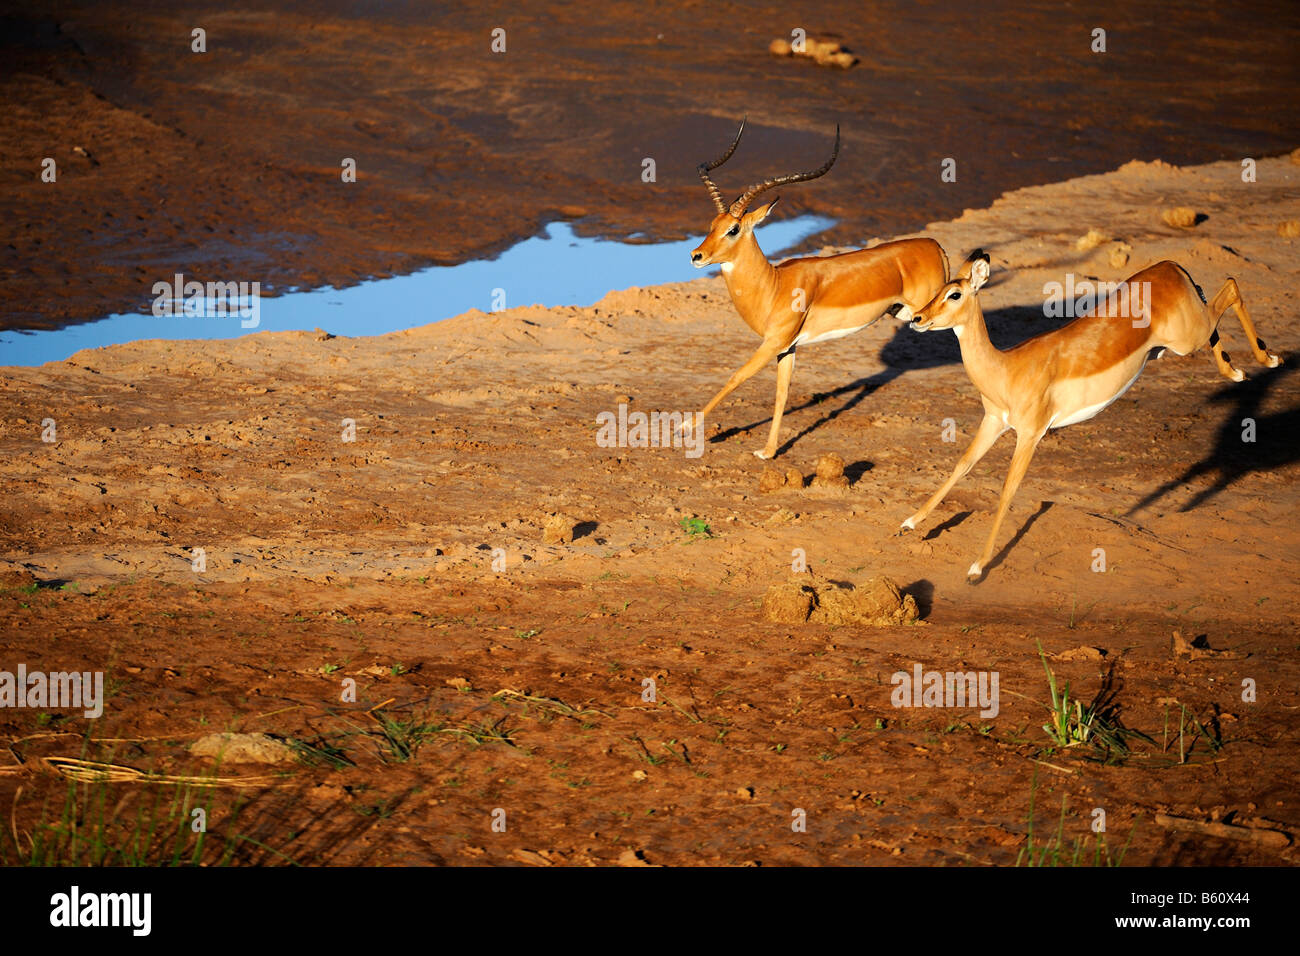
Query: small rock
x=1091 y=241
x=558 y=529
x=770 y=480
x=1180 y=217
x=830 y=472
x=242 y=748
x=1198 y=648
x=1119 y=255
x=1081 y=653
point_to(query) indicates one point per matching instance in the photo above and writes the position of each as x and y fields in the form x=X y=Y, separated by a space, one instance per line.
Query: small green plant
x=1074 y=724
x=402 y=738
x=1190 y=725
x=696 y=527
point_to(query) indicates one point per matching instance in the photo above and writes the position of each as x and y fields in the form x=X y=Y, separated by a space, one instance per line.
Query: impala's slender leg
x=1223 y=360
x=1026 y=443
x=991 y=428
x=766 y=352
x=784 y=372
x=1230 y=296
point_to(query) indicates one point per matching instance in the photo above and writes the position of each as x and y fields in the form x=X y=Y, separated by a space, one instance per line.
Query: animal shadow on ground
x=1232 y=457
x=1043 y=508
x=922 y=592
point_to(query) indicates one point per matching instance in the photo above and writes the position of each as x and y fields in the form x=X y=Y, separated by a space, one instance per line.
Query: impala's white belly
x=805 y=339
x=1089 y=411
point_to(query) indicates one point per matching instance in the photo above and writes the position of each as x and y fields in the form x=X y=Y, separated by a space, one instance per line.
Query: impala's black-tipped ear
x=979 y=272
x=979 y=255
x=755 y=216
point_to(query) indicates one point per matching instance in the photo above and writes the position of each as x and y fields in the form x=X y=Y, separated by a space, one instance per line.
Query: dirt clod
x=1198 y=648
x=876 y=603
x=830 y=472
x=1090 y=241
x=242 y=748
x=821 y=52
x=558 y=529
x=1081 y=653
x=770 y=480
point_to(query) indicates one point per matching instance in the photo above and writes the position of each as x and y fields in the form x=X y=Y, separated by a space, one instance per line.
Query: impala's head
x=726 y=233
x=735 y=223
x=948 y=308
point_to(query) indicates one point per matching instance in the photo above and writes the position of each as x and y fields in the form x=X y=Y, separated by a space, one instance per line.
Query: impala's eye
x=954 y=297
x=734 y=230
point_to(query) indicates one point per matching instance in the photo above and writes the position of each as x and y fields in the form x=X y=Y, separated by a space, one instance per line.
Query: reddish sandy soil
x=373 y=561
x=226 y=165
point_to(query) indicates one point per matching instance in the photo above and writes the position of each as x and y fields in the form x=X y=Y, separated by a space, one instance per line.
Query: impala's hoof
x=1274 y=360
x=906 y=526
x=764 y=455
x=974 y=574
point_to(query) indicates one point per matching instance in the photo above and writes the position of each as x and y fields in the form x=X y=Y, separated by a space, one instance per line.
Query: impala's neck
x=985 y=365
x=752 y=282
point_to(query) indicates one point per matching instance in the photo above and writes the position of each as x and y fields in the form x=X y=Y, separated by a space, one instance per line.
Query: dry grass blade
x=90 y=771
x=550 y=703
x=483 y=733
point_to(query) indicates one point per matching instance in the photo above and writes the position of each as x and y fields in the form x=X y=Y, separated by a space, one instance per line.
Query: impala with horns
x=1070 y=374
x=803 y=301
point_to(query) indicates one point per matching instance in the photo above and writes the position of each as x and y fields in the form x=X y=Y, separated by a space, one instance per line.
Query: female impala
x=1070 y=374
x=806 y=300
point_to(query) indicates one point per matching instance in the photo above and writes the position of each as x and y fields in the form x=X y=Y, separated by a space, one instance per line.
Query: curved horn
x=740 y=205
x=703 y=169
